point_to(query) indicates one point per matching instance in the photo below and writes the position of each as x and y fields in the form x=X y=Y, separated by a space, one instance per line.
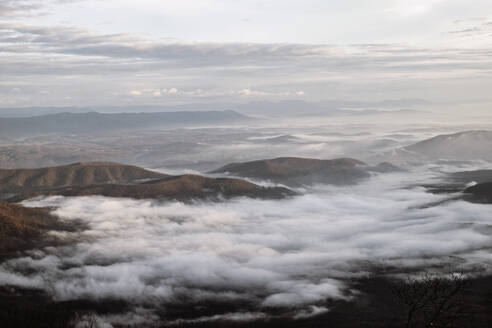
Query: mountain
x=93 y=122
x=467 y=145
x=294 y=171
x=456 y=182
x=283 y=108
x=77 y=174
x=480 y=193
x=183 y=187
x=21 y=227
x=478 y=176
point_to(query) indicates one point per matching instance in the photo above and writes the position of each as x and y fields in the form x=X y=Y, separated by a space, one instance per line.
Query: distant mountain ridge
x=93 y=122
x=292 y=107
x=465 y=145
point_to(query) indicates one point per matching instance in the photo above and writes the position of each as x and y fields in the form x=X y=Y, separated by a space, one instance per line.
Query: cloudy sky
x=125 y=52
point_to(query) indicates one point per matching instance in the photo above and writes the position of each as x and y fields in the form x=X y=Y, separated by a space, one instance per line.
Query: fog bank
x=294 y=253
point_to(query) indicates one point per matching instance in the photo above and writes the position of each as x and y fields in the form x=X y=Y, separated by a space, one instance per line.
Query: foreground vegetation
x=423 y=302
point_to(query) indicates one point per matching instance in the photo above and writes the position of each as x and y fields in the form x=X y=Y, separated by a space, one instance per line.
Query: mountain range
x=93 y=122
x=293 y=107
x=466 y=145
x=119 y=180
x=77 y=174
x=184 y=187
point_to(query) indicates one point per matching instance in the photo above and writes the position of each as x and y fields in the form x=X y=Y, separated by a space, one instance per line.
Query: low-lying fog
x=204 y=149
x=292 y=253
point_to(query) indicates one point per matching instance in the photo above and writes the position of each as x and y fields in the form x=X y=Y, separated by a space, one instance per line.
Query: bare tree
x=432 y=301
x=84 y=321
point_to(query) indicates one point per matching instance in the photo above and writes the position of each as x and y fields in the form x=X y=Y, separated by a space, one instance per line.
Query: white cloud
x=36 y=56
x=201 y=93
x=259 y=93
x=414 y=8
x=249 y=92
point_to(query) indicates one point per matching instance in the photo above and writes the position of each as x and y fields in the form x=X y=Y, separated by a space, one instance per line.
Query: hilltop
x=466 y=145
x=295 y=171
x=183 y=187
x=77 y=174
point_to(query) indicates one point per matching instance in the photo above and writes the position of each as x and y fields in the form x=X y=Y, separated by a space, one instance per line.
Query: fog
x=205 y=148
x=292 y=254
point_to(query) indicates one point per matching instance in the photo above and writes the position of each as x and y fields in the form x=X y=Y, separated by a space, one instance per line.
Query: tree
x=432 y=301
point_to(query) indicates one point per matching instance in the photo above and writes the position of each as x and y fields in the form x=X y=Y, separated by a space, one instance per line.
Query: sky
x=152 y=52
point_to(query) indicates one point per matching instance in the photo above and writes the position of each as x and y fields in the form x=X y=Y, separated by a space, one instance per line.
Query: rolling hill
x=467 y=145
x=295 y=171
x=77 y=174
x=22 y=227
x=183 y=187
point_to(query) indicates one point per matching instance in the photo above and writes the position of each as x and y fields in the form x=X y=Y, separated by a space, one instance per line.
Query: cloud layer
x=62 y=65
x=67 y=52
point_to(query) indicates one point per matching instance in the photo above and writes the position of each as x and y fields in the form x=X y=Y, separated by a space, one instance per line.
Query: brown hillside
x=294 y=170
x=182 y=187
x=21 y=227
x=78 y=174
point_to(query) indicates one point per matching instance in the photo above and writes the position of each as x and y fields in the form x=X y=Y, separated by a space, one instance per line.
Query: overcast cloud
x=55 y=53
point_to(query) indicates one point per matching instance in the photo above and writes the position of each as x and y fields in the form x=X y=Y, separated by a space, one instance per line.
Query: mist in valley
x=290 y=254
